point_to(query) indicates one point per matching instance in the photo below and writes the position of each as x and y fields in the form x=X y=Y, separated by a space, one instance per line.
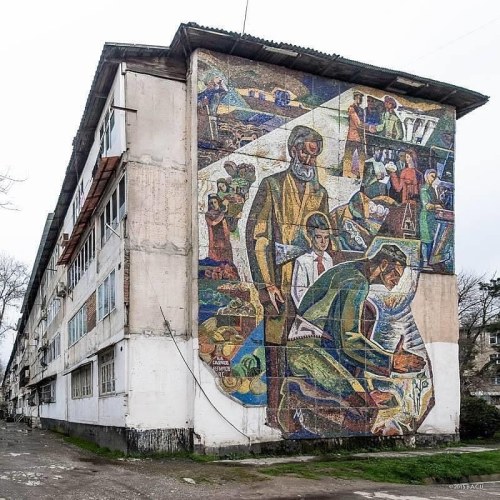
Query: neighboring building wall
x=289 y=347
x=484 y=379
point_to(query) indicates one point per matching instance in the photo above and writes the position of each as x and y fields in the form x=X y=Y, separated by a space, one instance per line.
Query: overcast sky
x=49 y=52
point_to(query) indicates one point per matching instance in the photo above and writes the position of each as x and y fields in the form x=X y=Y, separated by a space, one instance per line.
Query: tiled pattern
x=332 y=349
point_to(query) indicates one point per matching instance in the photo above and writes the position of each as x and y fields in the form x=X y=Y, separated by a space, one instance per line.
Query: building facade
x=253 y=244
x=481 y=377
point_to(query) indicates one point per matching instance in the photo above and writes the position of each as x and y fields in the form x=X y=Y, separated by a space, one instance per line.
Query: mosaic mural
x=320 y=204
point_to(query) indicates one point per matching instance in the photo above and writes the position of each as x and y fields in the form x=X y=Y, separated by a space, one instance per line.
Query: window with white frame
x=113 y=212
x=82 y=260
x=48 y=392
x=54 y=348
x=77 y=325
x=81 y=382
x=496 y=380
x=106 y=129
x=495 y=400
x=107 y=372
x=78 y=201
x=495 y=338
x=42 y=325
x=53 y=309
x=106 y=296
x=495 y=358
x=52 y=265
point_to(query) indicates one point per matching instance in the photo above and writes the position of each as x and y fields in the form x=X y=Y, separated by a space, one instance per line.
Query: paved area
x=39 y=464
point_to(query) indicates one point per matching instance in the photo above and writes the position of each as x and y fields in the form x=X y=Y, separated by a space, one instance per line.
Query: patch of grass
x=445 y=467
x=179 y=455
x=94 y=448
x=115 y=454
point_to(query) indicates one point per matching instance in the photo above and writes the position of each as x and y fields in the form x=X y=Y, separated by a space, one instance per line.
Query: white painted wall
x=444 y=418
x=160 y=388
x=220 y=421
x=435 y=308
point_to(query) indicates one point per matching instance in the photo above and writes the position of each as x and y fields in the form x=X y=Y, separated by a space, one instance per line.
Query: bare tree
x=479 y=314
x=6 y=182
x=14 y=280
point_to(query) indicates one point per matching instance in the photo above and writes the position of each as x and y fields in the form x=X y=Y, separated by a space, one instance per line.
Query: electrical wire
x=465 y=35
x=245 y=19
x=197 y=382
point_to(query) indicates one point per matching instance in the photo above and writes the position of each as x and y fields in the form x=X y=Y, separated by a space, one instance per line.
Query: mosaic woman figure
x=219 y=244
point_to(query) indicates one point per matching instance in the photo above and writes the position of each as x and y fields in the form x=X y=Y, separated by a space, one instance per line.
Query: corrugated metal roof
x=328 y=65
x=107 y=166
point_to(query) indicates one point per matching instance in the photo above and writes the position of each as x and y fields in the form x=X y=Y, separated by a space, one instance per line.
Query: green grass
x=94 y=448
x=115 y=454
x=449 y=468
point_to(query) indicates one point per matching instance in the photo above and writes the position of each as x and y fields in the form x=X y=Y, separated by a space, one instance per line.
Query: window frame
x=114 y=211
x=50 y=389
x=107 y=377
x=53 y=309
x=53 y=349
x=82 y=260
x=77 y=326
x=106 y=296
x=78 y=201
x=495 y=358
x=82 y=382
x=495 y=337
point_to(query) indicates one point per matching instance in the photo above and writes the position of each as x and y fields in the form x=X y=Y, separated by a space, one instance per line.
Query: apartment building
x=482 y=377
x=253 y=244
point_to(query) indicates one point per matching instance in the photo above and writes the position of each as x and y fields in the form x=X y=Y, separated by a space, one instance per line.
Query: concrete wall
x=293 y=166
x=161 y=387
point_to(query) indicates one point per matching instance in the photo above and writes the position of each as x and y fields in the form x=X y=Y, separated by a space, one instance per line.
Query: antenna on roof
x=245 y=20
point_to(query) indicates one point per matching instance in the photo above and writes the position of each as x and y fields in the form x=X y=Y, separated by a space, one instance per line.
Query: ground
x=40 y=464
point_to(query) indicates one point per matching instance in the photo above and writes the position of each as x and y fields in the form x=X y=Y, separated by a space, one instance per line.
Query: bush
x=478 y=418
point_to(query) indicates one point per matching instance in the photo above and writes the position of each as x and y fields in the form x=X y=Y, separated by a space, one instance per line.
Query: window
x=495 y=358
x=113 y=212
x=495 y=400
x=107 y=372
x=48 y=392
x=121 y=198
x=53 y=309
x=495 y=338
x=106 y=295
x=78 y=201
x=81 y=382
x=496 y=380
x=54 y=349
x=106 y=128
x=77 y=326
x=82 y=261
x=52 y=265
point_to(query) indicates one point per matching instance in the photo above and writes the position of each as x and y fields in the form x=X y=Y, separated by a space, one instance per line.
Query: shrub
x=478 y=418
